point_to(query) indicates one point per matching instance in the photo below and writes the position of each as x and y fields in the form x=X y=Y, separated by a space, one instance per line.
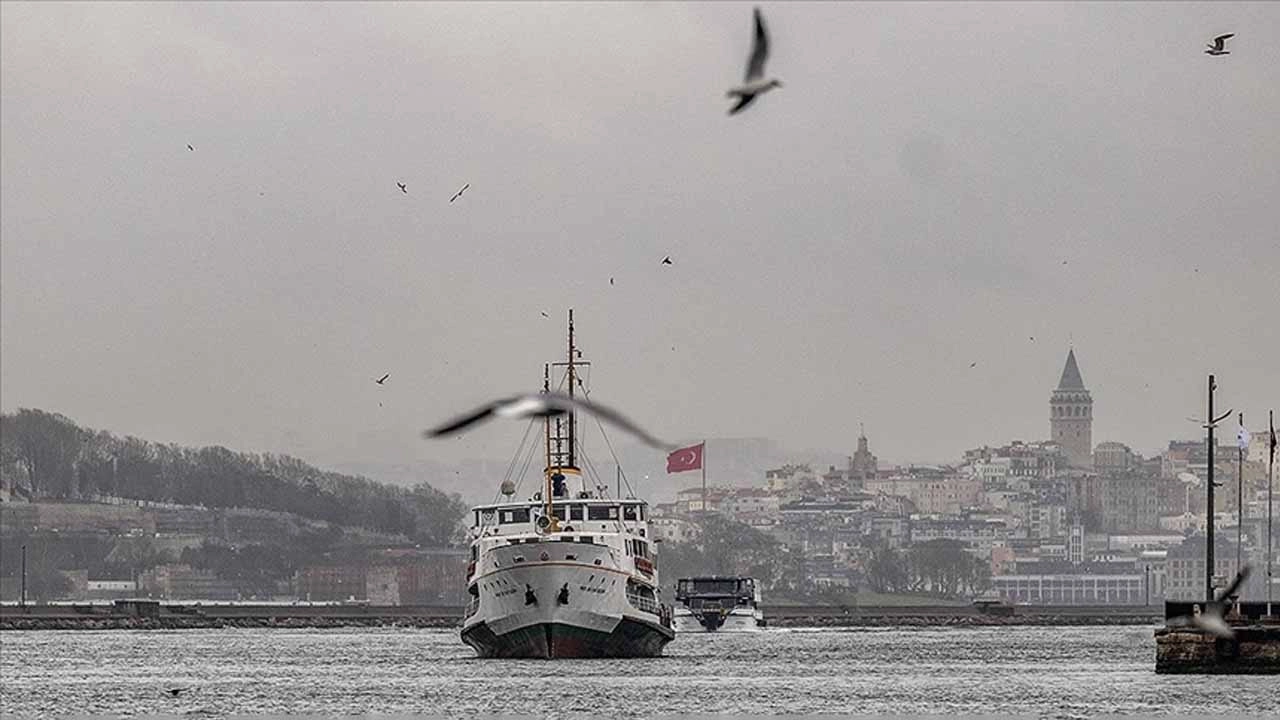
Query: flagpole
x=704 y=477
x=1208 y=545
x=1239 y=491
x=1271 y=481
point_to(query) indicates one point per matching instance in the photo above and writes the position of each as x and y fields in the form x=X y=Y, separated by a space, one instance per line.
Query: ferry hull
x=630 y=638
x=738 y=621
x=559 y=600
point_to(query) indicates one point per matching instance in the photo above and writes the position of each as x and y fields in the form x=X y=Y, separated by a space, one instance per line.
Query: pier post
x=22 y=596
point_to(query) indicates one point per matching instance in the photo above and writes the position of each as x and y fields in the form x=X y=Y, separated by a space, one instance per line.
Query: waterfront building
x=1072 y=589
x=1186 y=571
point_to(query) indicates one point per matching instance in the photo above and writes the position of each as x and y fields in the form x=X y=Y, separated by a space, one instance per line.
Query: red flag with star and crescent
x=688 y=458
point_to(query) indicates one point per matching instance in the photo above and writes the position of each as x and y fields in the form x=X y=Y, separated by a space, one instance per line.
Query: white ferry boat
x=570 y=572
x=718 y=604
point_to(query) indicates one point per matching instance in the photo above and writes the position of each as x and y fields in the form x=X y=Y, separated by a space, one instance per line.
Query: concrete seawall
x=152 y=615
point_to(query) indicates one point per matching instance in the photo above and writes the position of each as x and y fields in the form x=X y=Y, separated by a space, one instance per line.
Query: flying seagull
x=403 y=189
x=190 y=148
x=667 y=260
x=382 y=379
x=459 y=193
x=1210 y=619
x=544 y=314
x=547 y=404
x=1219 y=45
x=755 y=84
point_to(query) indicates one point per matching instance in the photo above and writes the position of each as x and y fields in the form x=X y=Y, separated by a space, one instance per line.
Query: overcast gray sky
x=934 y=185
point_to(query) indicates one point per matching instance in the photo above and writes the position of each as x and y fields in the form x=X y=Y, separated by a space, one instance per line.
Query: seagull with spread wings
x=459 y=193
x=755 y=84
x=1219 y=45
x=546 y=404
x=1211 y=619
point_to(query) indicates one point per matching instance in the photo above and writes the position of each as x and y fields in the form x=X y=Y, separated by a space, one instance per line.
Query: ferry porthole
x=597 y=561
x=545 y=556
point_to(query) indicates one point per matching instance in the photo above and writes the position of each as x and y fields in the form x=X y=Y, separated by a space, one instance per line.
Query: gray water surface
x=1024 y=671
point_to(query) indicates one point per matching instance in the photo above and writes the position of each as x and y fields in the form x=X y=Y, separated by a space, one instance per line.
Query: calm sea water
x=1041 y=672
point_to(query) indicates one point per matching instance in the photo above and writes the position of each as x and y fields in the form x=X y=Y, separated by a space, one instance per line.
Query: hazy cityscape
x=1057 y=520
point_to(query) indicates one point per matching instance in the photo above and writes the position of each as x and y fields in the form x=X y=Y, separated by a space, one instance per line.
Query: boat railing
x=642 y=603
x=473 y=606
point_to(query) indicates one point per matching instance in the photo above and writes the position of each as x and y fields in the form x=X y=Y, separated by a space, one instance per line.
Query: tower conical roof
x=1071 y=374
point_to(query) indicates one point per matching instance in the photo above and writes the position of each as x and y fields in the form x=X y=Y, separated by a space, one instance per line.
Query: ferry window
x=520 y=515
x=585 y=539
x=477 y=519
x=575 y=512
x=642 y=549
x=640 y=510
x=602 y=512
x=628 y=512
x=561 y=511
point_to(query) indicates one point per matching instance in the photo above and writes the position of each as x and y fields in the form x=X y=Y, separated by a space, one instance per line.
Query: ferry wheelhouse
x=569 y=572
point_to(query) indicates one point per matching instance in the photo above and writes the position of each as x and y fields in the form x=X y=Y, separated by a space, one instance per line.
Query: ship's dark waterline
x=1024 y=671
x=631 y=639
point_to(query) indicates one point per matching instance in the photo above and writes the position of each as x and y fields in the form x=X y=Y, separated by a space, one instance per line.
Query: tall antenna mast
x=573 y=381
x=546 y=388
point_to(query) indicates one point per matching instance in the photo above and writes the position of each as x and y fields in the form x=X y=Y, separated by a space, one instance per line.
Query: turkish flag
x=689 y=458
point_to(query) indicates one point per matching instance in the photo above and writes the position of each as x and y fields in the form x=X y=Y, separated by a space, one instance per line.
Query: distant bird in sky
x=973 y=365
x=610 y=281
x=544 y=314
x=1033 y=338
x=190 y=148
x=547 y=404
x=403 y=189
x=459 y=193
x=667 y=260
x=382 y=379
x=755 y=84
x=1210 y=619
x=1219 y=45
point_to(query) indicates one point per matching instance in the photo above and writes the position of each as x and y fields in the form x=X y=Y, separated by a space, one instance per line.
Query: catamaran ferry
x=718 y=604
x=570 y=572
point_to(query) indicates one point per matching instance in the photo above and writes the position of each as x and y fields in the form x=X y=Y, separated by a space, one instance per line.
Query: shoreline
x=156 y=616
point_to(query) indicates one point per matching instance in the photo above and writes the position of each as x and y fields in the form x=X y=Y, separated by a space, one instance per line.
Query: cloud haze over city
x=910 y=233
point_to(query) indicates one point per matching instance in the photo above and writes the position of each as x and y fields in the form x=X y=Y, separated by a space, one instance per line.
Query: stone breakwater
x=206 y=623
x=898 y=620
x=1255 y=650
